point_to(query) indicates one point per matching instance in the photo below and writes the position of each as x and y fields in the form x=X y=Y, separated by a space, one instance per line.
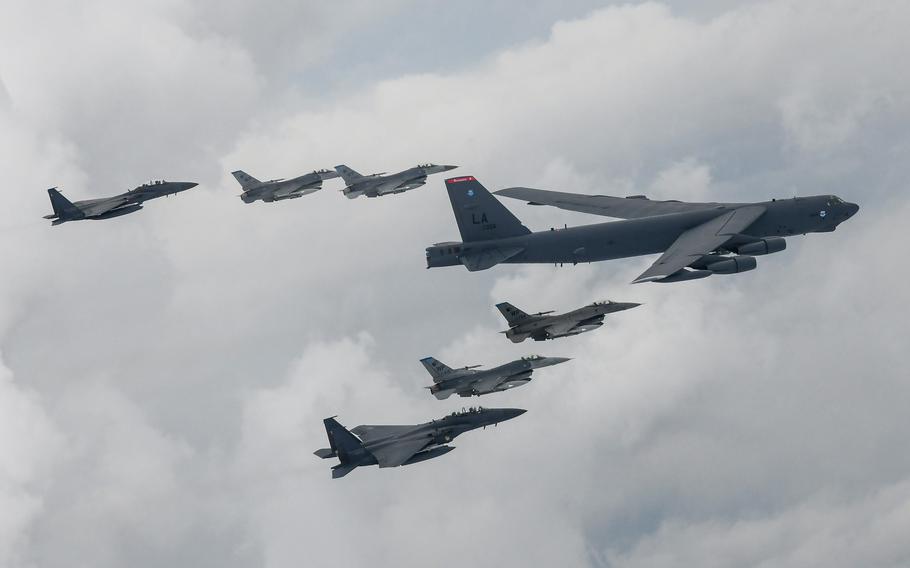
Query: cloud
x=172 y=368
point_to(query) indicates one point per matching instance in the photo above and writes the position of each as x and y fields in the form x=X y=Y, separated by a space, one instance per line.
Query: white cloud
x=184 y=357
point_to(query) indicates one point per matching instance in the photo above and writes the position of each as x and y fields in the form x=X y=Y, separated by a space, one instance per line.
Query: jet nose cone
x=185 y=185
x=852 y=209
x=447 y=168
x=629 y=305
x=549 y=361
x=510 y=413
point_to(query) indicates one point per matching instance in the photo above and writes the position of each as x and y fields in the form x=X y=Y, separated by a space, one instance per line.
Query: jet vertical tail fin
x=64 y=209
x=347 y=174
x=340 y=439
x=436 y=368
x=512 y=314
x=479 y=215
x=246 y=180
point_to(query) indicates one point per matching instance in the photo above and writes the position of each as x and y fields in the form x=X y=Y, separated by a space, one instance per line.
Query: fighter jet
x=377 y=185
x=541 y=326
x=281 y=189
x=468 y=381
x=109 y=207
x=696 y=239
x=392 y=446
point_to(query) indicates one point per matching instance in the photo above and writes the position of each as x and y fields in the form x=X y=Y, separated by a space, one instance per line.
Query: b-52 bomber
x=542 y=326
x=377 y=185
x=110 y=207
x=468 y=381
x=281 y=189
x=392 y=446
x=696 y=239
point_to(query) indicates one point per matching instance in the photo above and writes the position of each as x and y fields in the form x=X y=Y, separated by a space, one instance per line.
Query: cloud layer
x=164 y=375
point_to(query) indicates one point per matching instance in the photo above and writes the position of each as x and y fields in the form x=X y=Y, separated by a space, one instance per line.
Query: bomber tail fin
x=479 y=215
x=64 y=209
x=512 y=314
x=246 y=180
x=347 y=174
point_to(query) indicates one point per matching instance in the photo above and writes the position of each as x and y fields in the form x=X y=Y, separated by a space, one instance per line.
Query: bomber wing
x=633 y=207
x=396 y=453
x=701 y=240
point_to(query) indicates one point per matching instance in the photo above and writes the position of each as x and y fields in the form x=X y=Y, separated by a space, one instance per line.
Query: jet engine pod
x=429 y=454
x=733 y=265
x=120 y=211
x=764 y=246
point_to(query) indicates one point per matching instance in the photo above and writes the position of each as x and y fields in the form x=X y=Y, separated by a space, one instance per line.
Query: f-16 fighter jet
x=109 y=207
x=696 y=239
x=376 y=185
x=468 y=381
x=541 y=326
x=392 y=446
x=281 y=189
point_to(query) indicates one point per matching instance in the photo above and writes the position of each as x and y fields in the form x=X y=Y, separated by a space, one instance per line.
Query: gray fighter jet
x=109 y=207
x=541 y=326
x=392 y=446
x=377 y=185
x=696 y=239
x=281 y=189
x=468 y=381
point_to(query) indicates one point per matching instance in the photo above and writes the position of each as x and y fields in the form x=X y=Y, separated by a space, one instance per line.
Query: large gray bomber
x=110 y=207
x=696 y=239
x=542 y=326
x=377 y=185
x=392 y=446
x=280 y=189
x=468 y=381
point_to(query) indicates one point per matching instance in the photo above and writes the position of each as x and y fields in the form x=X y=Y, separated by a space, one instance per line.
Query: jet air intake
x=764 y=246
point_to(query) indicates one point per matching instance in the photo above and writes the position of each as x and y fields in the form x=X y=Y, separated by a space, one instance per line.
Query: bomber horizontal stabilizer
x=488 y=257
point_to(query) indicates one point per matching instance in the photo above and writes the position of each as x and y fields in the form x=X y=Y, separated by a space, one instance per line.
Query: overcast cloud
x=163 y=375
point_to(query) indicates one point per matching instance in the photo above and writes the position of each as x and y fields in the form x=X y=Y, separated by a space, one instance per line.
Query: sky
x=163 y=375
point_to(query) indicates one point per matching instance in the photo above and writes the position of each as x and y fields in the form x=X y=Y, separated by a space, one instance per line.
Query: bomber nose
x=852 y=208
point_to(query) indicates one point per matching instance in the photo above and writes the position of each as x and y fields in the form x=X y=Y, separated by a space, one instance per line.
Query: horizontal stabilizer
x=341 y=470
x=324 y=453
x=488 y=257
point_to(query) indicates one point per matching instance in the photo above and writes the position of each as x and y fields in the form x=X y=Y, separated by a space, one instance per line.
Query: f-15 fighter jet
x=392 y=446
x=696 y=239
x=281 y=189
x=468 y=381
x=376 y=185
x=541 y=326
x=109 y=207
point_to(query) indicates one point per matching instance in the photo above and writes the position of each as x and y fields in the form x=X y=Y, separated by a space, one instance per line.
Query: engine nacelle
x=764 y=246
x=733 y=265
x=429 y=454
x=120 y=211
x=685 y=275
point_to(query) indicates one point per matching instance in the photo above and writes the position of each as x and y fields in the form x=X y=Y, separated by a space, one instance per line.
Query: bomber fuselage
x=649 y=235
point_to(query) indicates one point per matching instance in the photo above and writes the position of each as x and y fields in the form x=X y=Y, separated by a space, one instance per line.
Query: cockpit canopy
x=532 y=358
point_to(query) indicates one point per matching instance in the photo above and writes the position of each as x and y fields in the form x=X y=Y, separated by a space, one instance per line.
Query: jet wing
x=92 y=207
x=618 y=207
x=395 y=454
x=369 y=433
x=561 y=327
x=701 y=240
x=487 y=384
